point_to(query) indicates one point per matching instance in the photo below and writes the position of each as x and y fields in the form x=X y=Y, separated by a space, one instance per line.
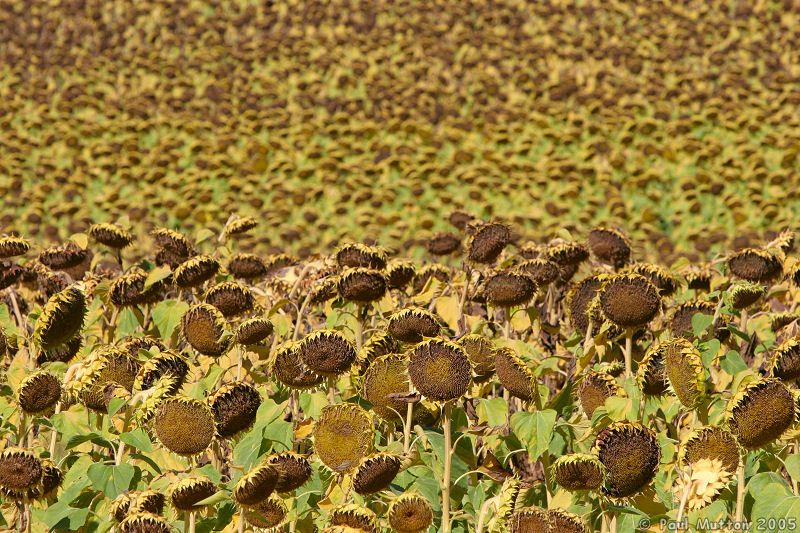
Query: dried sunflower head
x=684 y=369
x=63 y=256
x=362 y=285
x=160 y=365
x=610 y=245
x=173 y=241
x=542 y=271
x=39 y=393
x=755 y=264
x=204 y=327
x=110 y=235
x=410 y=513
x=144 y=523
x=630 y=454
x=327 y=352
x=443 y=243
x=20 y=469
x=710 y=442
x=529 y=520
x=481 y=354
x=357 y=255
x=184 y=426
x=131 y=503
x=290 y=370
x=230 y=298
x=195 y=271
x=435 y=271
x=61 y=319
x=784 y=363
x=380 y=343
x=247 y=266
x=293 y=470
x=629 y=300
x=659 y=276
x=487 y=242
x=240 y=225
x=412 y=325
x=760 y=412
x=190 y=490
x=63 y=353
x=595 y=388
x=578 y=471
x=681 y=322
x=11 y=246
x=266 y=514
x=234 y=407
x=256 y=486
x=343 y=436
x=743 y=294
x=129 y=289
x=376 y=472
x=400 y=273
x=387 y=374
x=566 y=522
x=514 y=374
x=254 y=331
x=578 y=299
x=440 y=370
x=651 y=374
x=508 y=289
x=357 y=517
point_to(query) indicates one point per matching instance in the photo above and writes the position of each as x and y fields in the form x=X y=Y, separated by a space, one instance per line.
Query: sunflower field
x=371 y=266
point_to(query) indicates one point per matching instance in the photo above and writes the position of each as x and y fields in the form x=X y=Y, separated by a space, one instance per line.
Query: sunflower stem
x=21 y=428
x=191 y=522
x=300 y=314
x=239 y=361
x=740 y=490
x=331 y=390
x=684 y=497
x=27 y=508
x=462 y=301
x=54 y=437
x=20 y=323
x=628 y=353
x=448 y=445
x=408 y=421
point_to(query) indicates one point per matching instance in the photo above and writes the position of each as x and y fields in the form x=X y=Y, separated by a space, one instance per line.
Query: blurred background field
x=376 y=120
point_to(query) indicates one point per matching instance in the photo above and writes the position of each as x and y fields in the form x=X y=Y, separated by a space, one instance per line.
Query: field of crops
x=399 y=266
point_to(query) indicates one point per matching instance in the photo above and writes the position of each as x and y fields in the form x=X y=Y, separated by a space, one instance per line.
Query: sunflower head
x=358 y=255
x=684 y=369
x=39 y=393
x=195 y=271
x=707 y=479
x=755 y=264
x=629 y=300
x=362 y=285
x=651 y=374
x=327 y=352
x=514 y=374
x=610 y=245
x=63 y=256
x=240 y=225
x=168 y=239
x=230 y=298
x=542 y=271
x=234 y=407
x=20 y=470
x=760 y=412
x=129 y=289
x=343 y=436
x=11 y=246
x=110 y=235
x=711 y=442
x=566 y=522
x=323 y=290
x=681 y=322
x=247 y=266
x=376 y=472
x=160 y=365
x=144 y=523
x=529 y=520
x=630 y=454
x=784 y=363
x=184 y=426
x=412 y=325
x=131 y=503
x=743 y=294
x=357 y=517
x=203 y=327
x=61 y=319
x=659 y=276
x=509 y=289
x=481 y=354
x=380 y=343
x=566 y=254
x=254 y=331
x=256 y=486
x=579 y=471
x=190 y=490
x=293 y=470
x=289 y=369
x=410 y=513
x=433 y=270
x=267 y=514
x=400 y=273
x=487 y=242
x=388 y=374
x=443 y=243
x=440 y=370
x=698 y=278
x=595 y=388
x=578 y=299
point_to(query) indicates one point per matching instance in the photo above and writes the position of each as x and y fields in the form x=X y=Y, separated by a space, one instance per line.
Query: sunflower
x=184 y=426
x=760 y=412
x=440 y=370
x=610 y=245
x=234 y=407
x=343 y=437
x=410 y=513
x=630 y=454
x=204 y=328
x=61 y=319
x=412 y=325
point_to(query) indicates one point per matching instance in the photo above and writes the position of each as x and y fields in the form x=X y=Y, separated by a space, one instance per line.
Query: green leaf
x=167 y=315
x=111 y=480
x=774 y=501
x=793 y=466
x=492 y=412
x=732 y=363
x=127 y=322
x=217 y=497
x=156 y=275
x=77 y=440
x=534 y=430
x=138 y=439
x=61 y=517
x=700 y=323
x=115 y=405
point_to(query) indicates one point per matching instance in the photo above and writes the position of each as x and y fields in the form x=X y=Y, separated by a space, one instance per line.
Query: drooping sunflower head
x=190 y=490
x=529 y=520
x=168 y=239
x=343 y=436
x=289 y=369
x=11 y=246
x=684 y=369
x=487 y=242
x=630 y=454
x=509 y=289
x=388 y=374
x=629 y=300
x=784 y=363
x=412 y=325
x=240 y=225
x=254 y=331
x=130 y=503
x=698 y=278
x=184 y=426
x=380 y=343
x=663 y=279
x=162 y=364
x=707 y=479
x=99 y=396
x=443 y=243
x=234 y=407
x=440 y=370
x=358 y=255
x=610 y=246
x=195 y=271
x=110 y=235
x=481 y=354
x=542 y=271
x=681 y=322
x=204 y=327
x=400 y=273
x=63 y=256
x=61 y=319
x=358 y=517
x=20 y=470
x=323 y=290
x=760 y=412
x=578 y=299
x=247 y=266
x=327 y=352
x=780 y=320
x=711 y=442
x=133 y=345
x=144 y=523
x=376 y=472
x=129 y=289
x=410 y=513
x=63 y=353
x=256 y=486
x=293 y=470
x=362 y=285
x=566 y=522
x=743 y=294
x=230 y=298
x=432 y=270
x=568 y=255
x=755 y=264
x=39 y=393
x=514 y=374
x=121 y=368
x=595 y=388
x=267 y=514
x=578 y=471
x=651 y=374
x=161 y=390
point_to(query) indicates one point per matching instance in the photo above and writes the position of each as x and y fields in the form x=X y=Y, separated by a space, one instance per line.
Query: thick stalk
x=740 y=491
x=484 y=512
x=448 y=446
x=54 y=437
x=628 y=353
x=359 y=327
x=331 y=390
x=684 y=497
x=407 y=427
